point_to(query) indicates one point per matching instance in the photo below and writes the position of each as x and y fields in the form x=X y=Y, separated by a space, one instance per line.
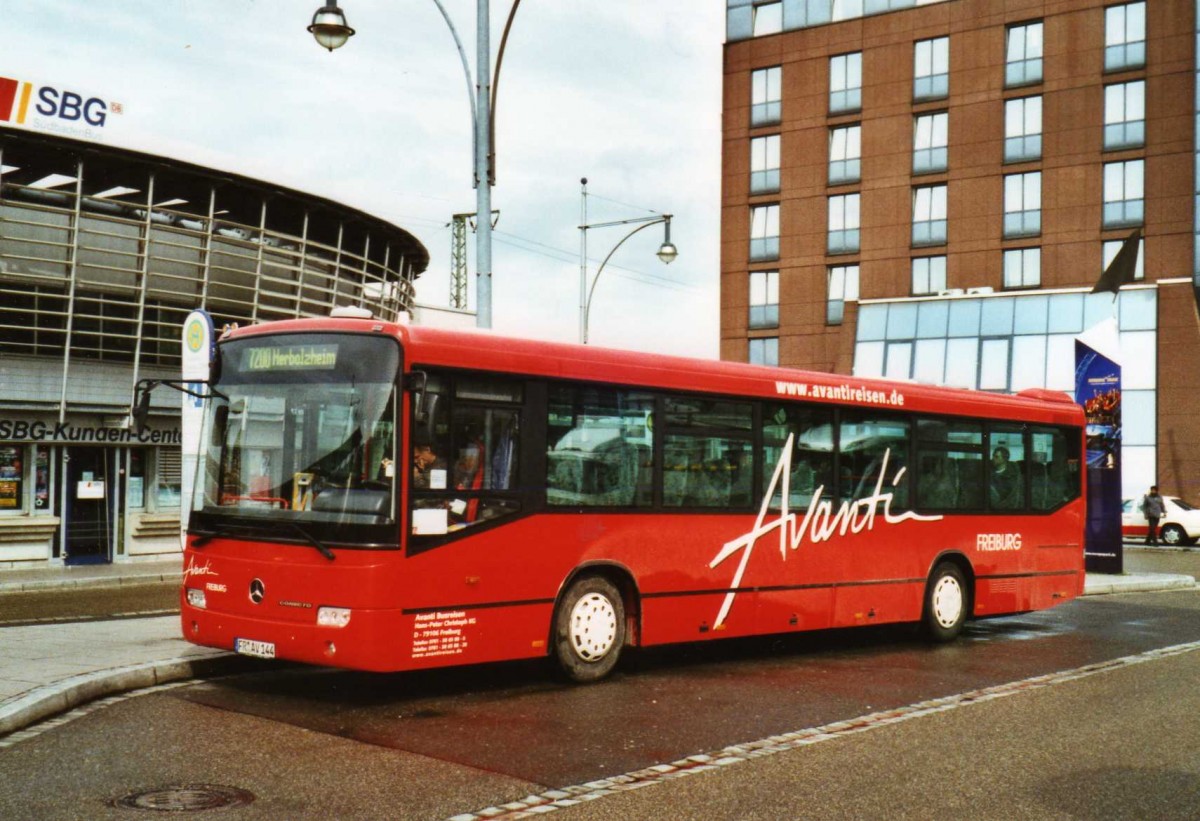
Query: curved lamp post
x=331 y=31
x=666 y=252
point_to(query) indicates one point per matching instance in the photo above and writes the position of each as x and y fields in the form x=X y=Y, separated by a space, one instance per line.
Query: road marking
x=536 y=805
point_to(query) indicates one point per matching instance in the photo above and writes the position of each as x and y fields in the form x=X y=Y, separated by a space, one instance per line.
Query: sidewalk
x=50 y=668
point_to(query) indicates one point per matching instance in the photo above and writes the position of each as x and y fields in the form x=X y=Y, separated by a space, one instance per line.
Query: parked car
x=1180 y=526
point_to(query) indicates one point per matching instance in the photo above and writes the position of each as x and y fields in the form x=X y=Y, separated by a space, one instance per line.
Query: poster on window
x=10 y=477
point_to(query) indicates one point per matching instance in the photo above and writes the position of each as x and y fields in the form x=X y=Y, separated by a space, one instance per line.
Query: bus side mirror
x=220 y=423
x=416 y=383
x=141 y=405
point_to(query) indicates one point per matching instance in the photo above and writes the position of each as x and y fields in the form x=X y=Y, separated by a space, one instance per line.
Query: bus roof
x=488 y=351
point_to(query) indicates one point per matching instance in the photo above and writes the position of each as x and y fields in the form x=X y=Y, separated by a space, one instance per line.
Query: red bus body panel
x=490 y=596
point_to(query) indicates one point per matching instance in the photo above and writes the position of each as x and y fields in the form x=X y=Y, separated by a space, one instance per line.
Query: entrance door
x=89 y=499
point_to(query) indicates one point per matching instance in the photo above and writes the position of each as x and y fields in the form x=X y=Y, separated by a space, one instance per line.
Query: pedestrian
x=1153 y=509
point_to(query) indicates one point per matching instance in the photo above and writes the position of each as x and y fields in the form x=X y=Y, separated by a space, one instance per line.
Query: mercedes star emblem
x=257 y=591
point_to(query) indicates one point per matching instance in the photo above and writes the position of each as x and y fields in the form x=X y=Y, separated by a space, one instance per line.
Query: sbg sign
x=69 y=106
x=62 y=106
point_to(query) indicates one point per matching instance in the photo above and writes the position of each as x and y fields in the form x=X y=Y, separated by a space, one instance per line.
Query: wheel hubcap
x=593 y=626
x=1171 y=536
x=947 y=601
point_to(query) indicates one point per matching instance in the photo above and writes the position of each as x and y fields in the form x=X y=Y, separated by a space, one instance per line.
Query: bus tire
x=589 y=629
x=946 y=602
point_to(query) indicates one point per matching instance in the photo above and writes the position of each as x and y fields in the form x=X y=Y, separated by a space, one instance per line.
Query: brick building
x=929 y=191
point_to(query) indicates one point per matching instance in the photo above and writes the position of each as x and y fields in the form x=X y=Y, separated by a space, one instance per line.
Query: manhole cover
x=185 y=798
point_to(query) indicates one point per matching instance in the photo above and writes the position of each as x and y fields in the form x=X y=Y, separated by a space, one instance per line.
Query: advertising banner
x=1098 y=390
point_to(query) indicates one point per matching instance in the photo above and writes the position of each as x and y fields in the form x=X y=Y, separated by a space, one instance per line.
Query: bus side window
x=1054 y=467
x=869 y=446
x=949 y=472
x=706 y=452
x=599 y=447
x=811 y=457
x=1006 y=473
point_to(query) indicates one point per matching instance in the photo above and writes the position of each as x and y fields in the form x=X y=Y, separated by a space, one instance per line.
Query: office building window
x=764 y=351
x=1110 y=249
x=843 y=288
x=1124 y=193
x=1023 y=268
x=928 y=275
x=929 y=215
x=764 y=164
x=847 y=9
x=766 y=94
x=845 y=154
x=764 y=232
x=1023 y=129
x=845 y=83
x=1023 y=64
x=931 y=69
x=768 y=17
x=930 y=140
x=1125 y=115
x=843 y=224
x=1023 y=205
x=764 y=299
x=1125 y=37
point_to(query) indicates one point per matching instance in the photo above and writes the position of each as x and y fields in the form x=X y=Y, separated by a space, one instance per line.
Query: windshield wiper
x=312 y=540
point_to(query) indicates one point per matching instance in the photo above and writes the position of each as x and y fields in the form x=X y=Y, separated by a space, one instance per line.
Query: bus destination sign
x=290 y=358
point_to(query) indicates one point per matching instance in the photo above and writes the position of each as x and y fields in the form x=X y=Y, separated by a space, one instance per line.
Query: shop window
x=12 y=478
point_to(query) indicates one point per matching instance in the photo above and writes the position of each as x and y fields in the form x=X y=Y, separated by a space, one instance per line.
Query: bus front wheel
x=945 y=603
x=589 y=629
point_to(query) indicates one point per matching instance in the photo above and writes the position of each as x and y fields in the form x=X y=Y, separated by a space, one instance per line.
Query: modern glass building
x=947 y=182
x=103 y=253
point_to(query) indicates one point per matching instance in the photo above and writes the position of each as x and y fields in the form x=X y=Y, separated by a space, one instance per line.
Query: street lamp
x=666 y=252
x=329 y=27
x=330 y=30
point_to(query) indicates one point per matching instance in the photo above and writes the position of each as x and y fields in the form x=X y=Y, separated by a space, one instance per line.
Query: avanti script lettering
x=819 y=524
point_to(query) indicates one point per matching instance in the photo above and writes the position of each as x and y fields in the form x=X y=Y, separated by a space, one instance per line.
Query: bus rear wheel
x=589 y=629
x=945 y=603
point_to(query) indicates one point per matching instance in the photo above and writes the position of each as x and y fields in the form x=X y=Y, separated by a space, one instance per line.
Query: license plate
x=251 y=647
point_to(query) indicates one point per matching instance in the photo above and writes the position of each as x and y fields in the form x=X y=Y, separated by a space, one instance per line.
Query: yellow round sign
x=195 y=335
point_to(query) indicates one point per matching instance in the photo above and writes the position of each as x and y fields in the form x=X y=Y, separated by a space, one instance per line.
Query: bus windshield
x=301 y=429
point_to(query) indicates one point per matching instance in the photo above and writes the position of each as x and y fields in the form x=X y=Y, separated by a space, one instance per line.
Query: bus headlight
x=196 y=598
x=333 y=616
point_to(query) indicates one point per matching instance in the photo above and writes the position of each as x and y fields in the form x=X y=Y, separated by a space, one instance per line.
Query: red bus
x=387 y=497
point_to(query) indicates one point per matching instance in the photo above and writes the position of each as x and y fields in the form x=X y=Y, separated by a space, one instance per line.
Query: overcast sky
x=624 y=92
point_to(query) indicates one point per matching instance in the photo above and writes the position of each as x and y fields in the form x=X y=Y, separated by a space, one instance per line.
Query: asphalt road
x=1122 y=742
